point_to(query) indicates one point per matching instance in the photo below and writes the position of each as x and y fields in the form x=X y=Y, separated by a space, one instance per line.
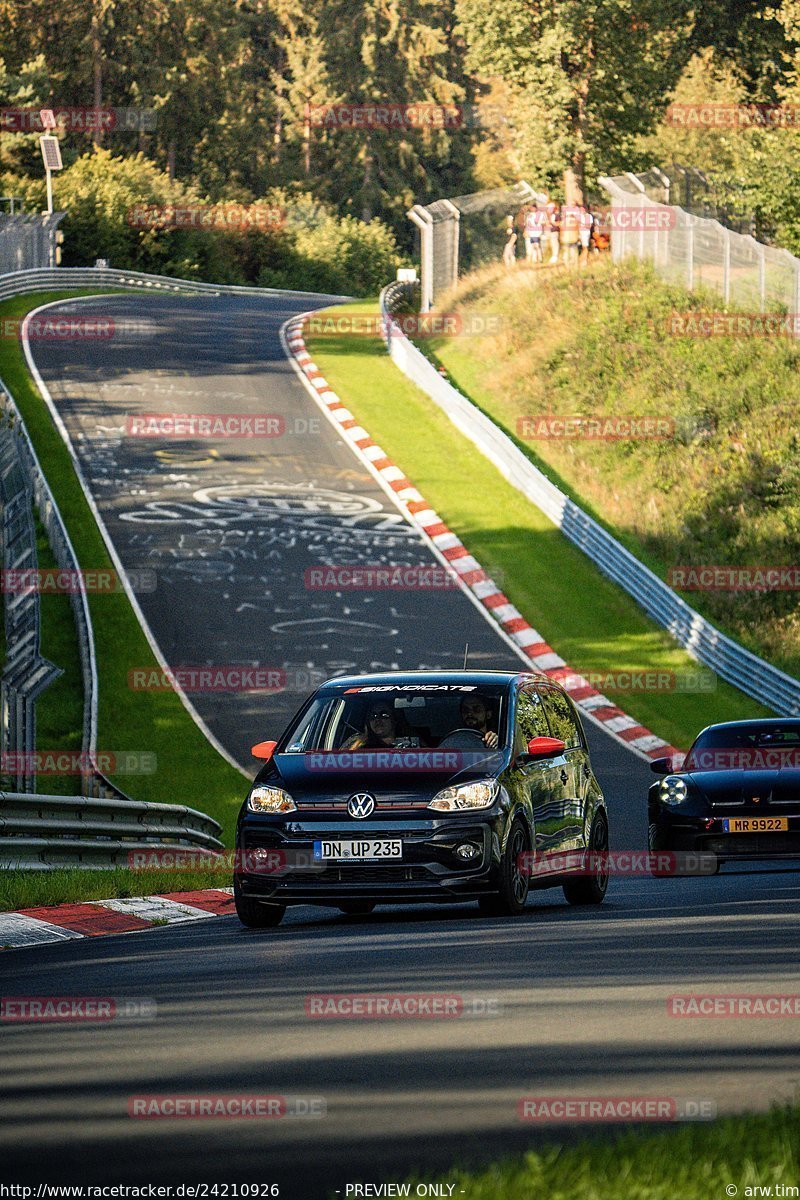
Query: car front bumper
x=703 y=835
x=430 y=868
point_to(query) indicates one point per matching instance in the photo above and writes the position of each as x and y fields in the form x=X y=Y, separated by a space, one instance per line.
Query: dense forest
x=214 y=102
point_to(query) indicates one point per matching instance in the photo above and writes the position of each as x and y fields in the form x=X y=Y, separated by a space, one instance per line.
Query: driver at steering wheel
x=476 y=713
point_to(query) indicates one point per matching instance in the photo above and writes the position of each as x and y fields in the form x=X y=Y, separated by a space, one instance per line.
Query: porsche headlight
x=264 y=799
x=466 y=795
x=673 y=789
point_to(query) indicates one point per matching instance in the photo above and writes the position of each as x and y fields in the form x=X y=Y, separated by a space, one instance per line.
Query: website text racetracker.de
x=144 y=1191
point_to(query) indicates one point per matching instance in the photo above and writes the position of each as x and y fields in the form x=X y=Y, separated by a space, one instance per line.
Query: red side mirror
x=546 y=747
x=263 y=750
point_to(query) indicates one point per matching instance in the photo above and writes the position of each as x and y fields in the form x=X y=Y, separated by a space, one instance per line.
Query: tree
x=302 y=80
x=588 y=75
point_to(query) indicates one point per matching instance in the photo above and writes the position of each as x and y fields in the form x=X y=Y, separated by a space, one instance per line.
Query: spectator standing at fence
x=570 y=233
x=601 y=231
x=510 y=247
x=585 y=226
x=553 y=229
x=533 y=234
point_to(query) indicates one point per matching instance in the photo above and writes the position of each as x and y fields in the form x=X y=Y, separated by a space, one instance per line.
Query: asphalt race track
x=576 y=999
x=582 y=1011
x=231 y=526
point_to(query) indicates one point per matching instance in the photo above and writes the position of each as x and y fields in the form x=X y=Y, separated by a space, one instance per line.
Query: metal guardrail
x=44 y=832
x=697 y=636
x=17 y=711
x=66 y=560
x=22 y=282
x=26 y=673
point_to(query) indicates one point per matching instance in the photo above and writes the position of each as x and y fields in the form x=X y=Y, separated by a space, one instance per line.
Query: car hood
x=746 y=785
x=412 y=774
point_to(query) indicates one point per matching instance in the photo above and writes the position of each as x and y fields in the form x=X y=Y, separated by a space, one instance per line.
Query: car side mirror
x=263 y=750
x=662 y=766
x=546 y=747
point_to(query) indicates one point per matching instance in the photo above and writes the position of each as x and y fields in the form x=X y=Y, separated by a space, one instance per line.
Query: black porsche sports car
x=736 y=795
x=420 y=786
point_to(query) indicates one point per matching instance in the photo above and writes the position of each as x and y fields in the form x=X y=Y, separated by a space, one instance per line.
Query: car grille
x=363 y=874
x=393 y=805
x=260 y=839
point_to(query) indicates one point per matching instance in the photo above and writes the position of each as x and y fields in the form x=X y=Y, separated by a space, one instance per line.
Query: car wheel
x=509 y=901
x=654 y=840
x=254 y=914
x=357 y=908
x=592 y=888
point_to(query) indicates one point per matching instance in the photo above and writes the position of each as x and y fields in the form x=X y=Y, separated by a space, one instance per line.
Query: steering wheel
x=465 y=739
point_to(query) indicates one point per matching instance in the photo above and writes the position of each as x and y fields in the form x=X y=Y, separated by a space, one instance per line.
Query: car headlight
x=673 y=789
x=466 y=795
x=264 y=799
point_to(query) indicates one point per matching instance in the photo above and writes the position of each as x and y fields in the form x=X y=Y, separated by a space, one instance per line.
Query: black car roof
x=398 y=678
x=755 y=723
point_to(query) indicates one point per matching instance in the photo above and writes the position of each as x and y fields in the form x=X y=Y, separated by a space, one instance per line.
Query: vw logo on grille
x=360 y=805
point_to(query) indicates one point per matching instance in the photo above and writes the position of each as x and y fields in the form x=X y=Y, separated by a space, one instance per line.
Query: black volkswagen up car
x=422 y=786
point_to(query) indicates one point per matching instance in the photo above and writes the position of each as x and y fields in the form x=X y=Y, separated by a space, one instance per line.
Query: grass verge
x=592 y=623
x=188 y=769
x=614 y=342
x=695 y=1162
x=59 y=710
x=29 y=889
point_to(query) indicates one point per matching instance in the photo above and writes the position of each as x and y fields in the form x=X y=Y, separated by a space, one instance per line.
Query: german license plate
x=364 y=850
x=755 y=824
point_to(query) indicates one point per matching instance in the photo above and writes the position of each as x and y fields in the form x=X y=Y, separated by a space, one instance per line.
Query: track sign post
x=51 y=156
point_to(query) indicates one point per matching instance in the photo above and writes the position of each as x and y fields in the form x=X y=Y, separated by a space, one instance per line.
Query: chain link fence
x=698 y=252
x=28 y=241
x=462 y=233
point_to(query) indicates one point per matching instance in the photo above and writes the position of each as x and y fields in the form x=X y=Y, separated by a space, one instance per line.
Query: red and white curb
x=469 y=571
x=95 y=918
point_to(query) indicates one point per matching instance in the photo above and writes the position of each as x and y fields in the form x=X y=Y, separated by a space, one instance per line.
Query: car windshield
x=404 y=716
x=729 y=747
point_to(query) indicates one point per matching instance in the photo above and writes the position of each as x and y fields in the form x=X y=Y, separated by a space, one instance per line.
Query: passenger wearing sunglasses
x=383 y=727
